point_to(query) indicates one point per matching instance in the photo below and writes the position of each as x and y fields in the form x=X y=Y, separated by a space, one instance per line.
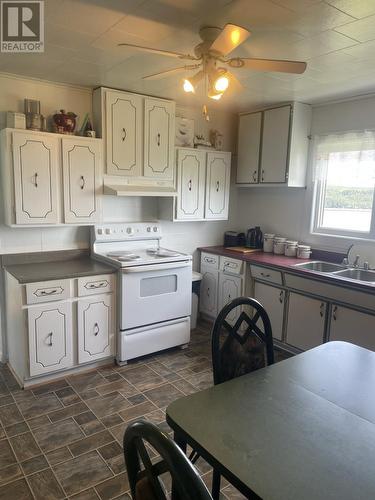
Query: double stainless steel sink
x=339 y=271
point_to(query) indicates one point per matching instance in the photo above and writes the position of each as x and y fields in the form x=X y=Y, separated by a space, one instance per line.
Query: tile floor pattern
x=63 y=439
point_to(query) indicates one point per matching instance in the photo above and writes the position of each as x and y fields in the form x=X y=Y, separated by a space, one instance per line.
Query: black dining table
x=301 y=429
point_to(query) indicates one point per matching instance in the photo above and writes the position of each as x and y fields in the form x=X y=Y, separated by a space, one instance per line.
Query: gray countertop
x=30 y=268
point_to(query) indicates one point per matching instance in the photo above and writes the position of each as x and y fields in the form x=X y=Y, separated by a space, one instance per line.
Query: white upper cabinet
x=218 y=184
x=273 y=146
x=275 y=142
x=82 y=179
x=35 y=170
x=249 y=134
x=159 y=139
x=124 y=119
x=191 y=173
x=138 y=133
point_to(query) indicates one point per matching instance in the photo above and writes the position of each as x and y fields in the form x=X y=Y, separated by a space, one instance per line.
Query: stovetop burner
x=128 y=258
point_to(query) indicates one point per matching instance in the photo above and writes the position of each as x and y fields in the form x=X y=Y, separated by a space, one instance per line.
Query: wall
x=181 y=236
x=287 y=211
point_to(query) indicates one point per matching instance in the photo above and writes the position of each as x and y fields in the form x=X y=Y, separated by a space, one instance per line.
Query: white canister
x=268 y=242
x=291 y=248
x=303 y=251
x=279 y=245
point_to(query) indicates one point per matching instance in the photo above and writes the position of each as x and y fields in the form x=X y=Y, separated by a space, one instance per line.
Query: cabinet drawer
x=95 y=284
x=232 y=266
x=47 y=291
x=209 y=259
x=265 y=274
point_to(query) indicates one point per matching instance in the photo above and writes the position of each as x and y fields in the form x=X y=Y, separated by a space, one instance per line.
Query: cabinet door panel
x=275 y=144
x=190 y=184
x=50 y=338
x=124 y=119
x=95 y=328
x=249 y=148
x=35 y=163
x=272 y=299
x=209 y=292
x=352 y=326
x=217 y=185
x=159 y=139
x=230 y=287
x=82 y=180
x=306 y=321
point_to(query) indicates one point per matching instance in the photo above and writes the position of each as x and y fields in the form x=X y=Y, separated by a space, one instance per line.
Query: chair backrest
x=243 y=346
x=144 y=473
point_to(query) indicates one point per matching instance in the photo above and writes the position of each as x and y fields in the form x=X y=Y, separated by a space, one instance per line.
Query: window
x=344 y=174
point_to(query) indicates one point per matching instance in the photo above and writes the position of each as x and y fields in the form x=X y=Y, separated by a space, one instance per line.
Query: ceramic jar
x=268 y=242
x=291 y=248
x=303 y=251
x=279 y=244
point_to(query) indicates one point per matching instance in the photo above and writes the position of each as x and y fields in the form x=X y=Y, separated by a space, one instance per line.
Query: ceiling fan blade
x=161 y=52
x=297 y=67
x=231 y=37
x=168 y=72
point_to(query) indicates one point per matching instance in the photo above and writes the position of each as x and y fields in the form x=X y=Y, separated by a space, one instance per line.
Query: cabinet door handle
x=51 y=292
x=265 y=275
x=262 y=175
x=255 y=175
x=96 y=329
x=217 y=186
x=82 y=182
x=208 y=292
x=124 y=134
x=50 y=339
x=35 y=179
x=334 y=313
x=321 y=310
x=158 y=139
x=189 y=185
x=281 y=296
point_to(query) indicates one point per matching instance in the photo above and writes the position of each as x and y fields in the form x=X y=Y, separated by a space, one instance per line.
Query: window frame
x=318 y=190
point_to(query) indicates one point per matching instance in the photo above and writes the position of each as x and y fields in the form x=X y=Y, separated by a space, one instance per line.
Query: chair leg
x=215 y=485
x=193 y=457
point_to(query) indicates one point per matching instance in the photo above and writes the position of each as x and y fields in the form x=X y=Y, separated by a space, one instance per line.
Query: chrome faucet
x=356 y=262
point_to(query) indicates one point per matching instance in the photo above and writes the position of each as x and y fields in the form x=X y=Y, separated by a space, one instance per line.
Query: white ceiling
x=335 y=37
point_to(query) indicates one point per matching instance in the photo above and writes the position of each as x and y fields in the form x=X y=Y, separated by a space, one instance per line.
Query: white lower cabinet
x=230 y=287
x=306 y=321
x=50 y=337
x=95 y=328
x=352 y=326
x=208 y=292
x=273 y=300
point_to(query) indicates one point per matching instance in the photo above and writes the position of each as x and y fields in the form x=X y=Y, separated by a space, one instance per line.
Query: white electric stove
x=154 y=292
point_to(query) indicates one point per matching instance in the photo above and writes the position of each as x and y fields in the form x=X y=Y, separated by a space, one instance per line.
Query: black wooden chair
x=239 y=346
x=144 y=473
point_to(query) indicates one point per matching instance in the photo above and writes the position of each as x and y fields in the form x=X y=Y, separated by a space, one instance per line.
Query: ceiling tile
x=355 y=8
x=297 y=5
x=362 y=30
x=362 y=51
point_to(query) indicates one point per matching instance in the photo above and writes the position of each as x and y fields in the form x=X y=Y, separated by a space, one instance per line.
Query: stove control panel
x=126 y=231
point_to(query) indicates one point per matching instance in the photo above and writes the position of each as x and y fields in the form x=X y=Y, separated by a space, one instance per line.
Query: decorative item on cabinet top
x=138 y=134
x=50 y=178
x=273 y=146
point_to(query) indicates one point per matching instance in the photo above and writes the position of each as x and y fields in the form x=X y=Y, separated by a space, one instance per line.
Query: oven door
x=154 y=293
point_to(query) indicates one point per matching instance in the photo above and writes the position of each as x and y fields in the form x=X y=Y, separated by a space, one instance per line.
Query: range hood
x=138 y=187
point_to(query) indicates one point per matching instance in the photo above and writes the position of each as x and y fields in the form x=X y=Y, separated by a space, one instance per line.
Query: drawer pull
x=281 y=296
x=51 y=292
x=209 y=260
x=97 y=285
x=265 y=275
x=334 y=314
x=50 y=339
x=321 y=311
x=96 y=329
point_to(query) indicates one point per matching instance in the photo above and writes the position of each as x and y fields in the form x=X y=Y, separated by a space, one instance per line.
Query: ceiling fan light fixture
x=191 y=82
x=214 y=94
x=222 y=83
x=187 y=86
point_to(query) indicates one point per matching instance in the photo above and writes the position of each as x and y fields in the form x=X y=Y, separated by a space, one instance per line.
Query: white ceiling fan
x=210 y=59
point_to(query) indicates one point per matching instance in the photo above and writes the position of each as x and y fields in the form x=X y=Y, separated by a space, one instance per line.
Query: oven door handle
x=156 y=267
